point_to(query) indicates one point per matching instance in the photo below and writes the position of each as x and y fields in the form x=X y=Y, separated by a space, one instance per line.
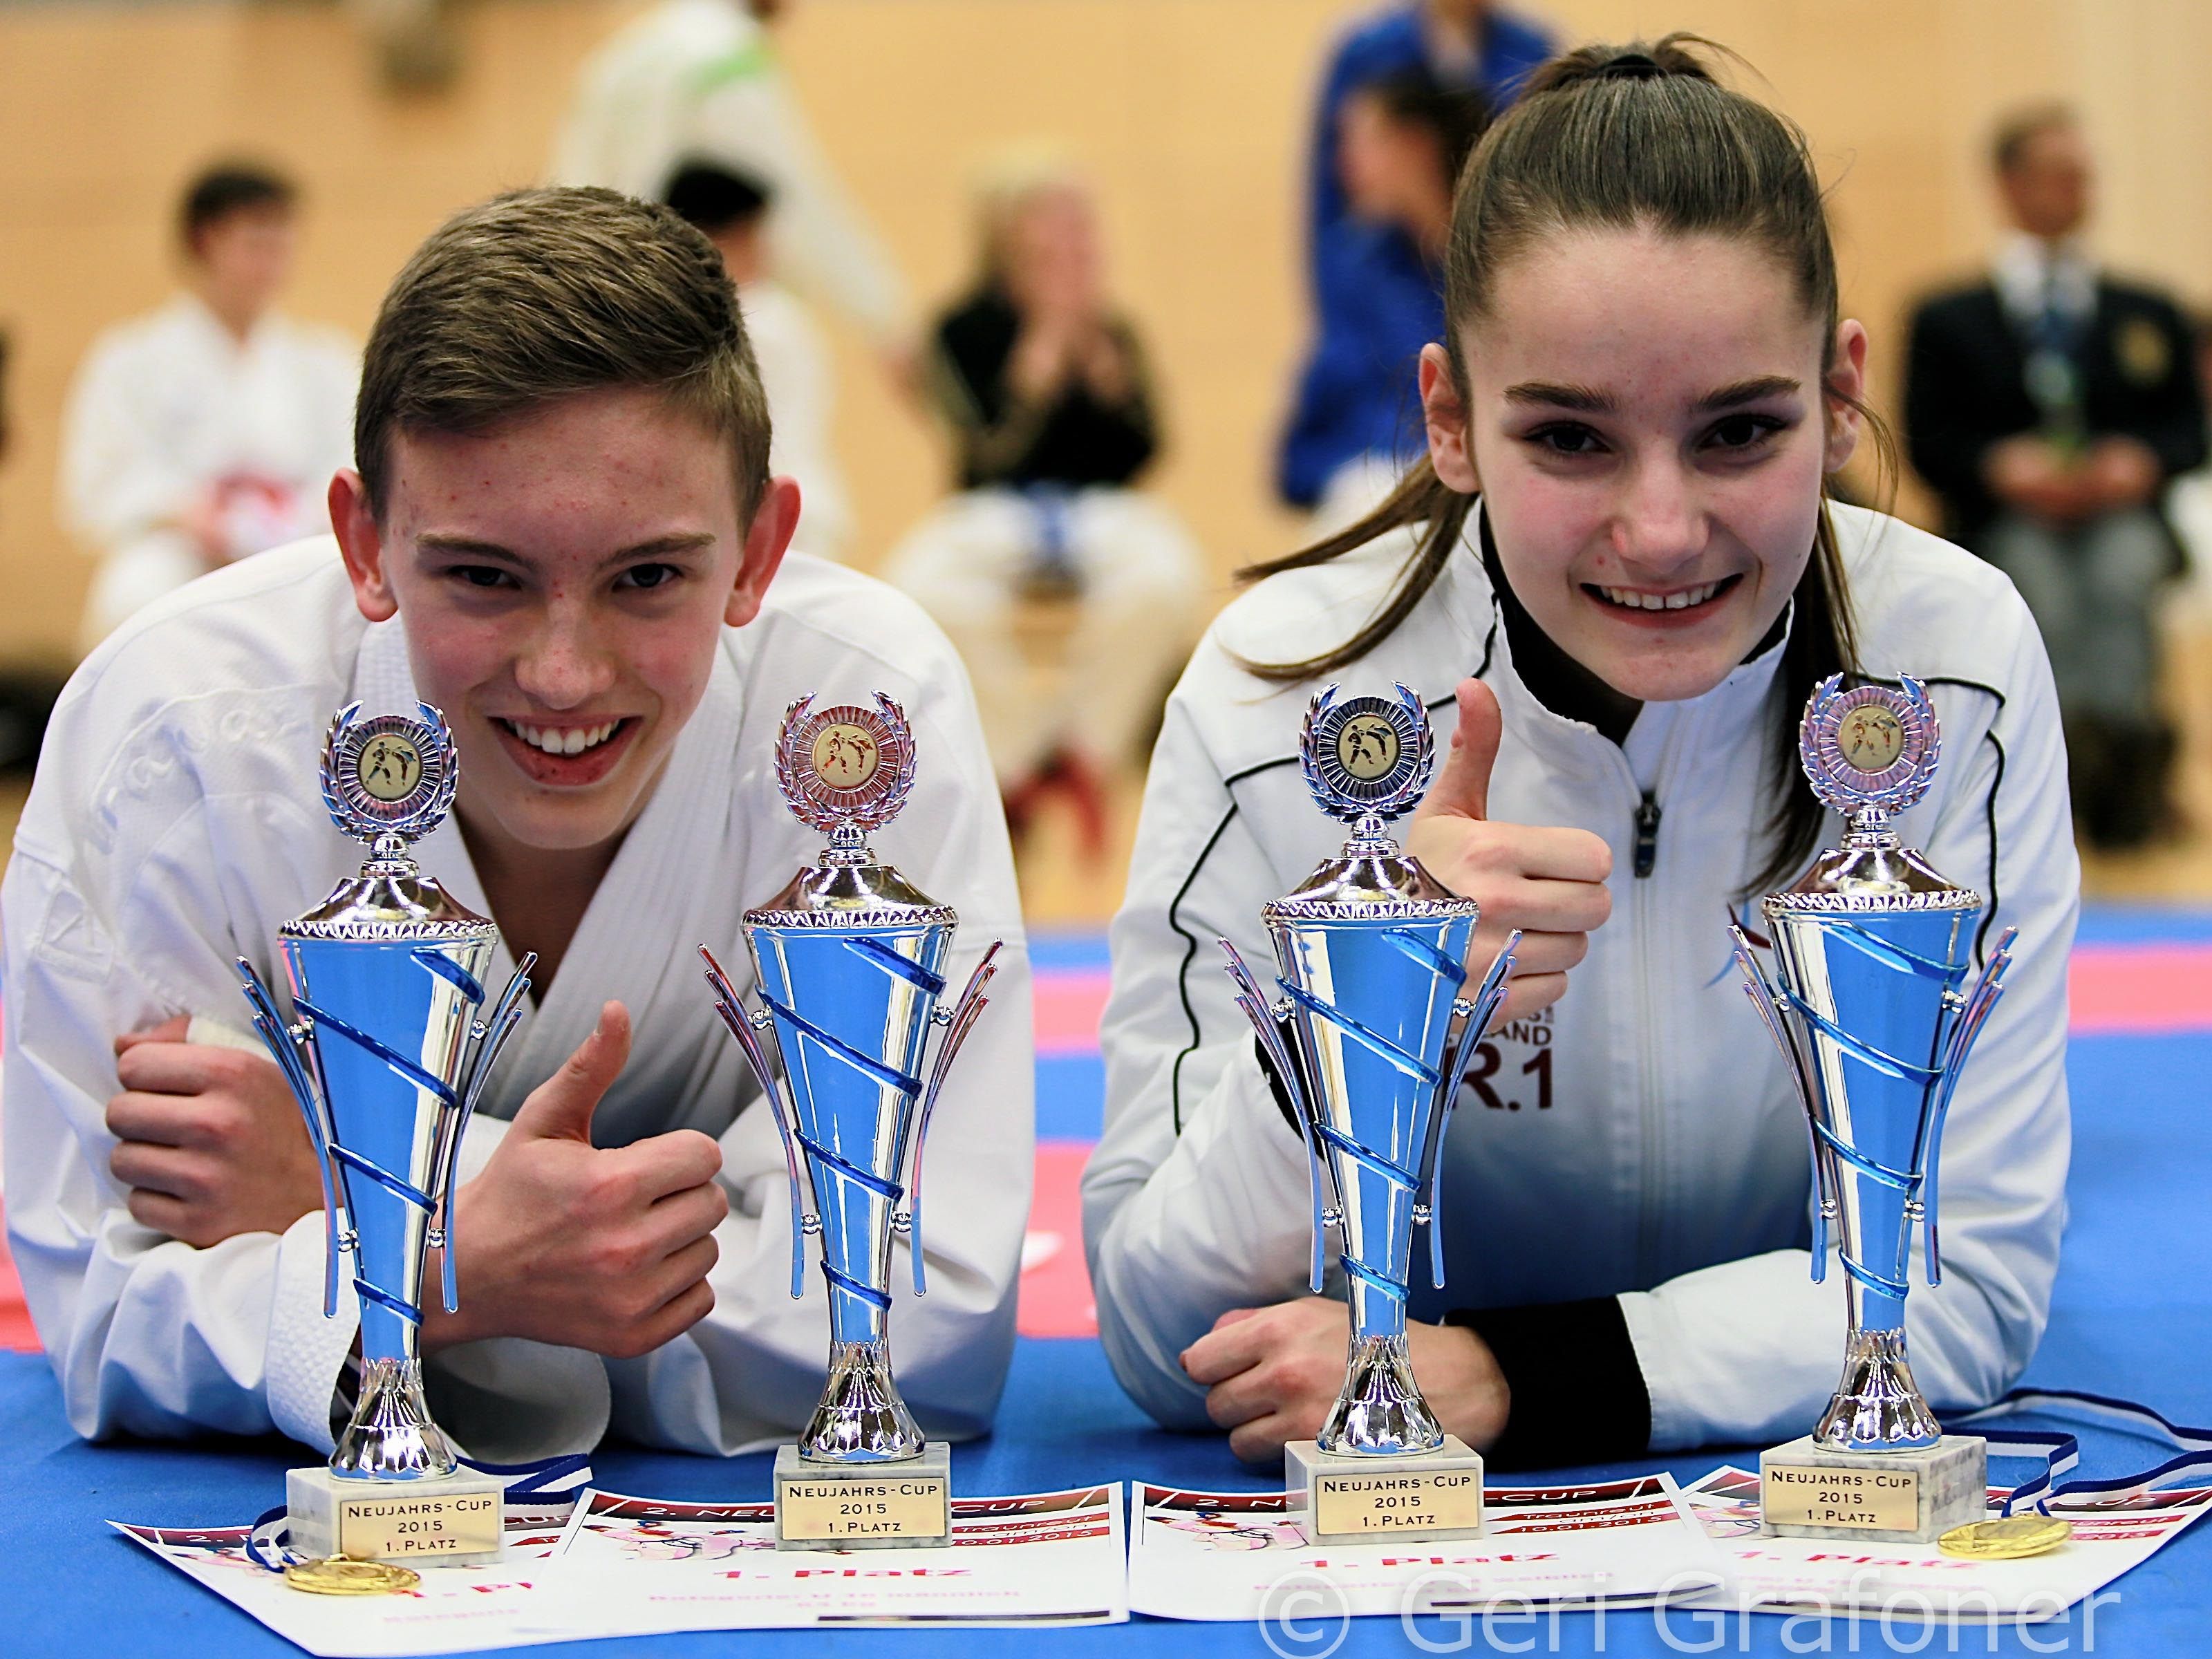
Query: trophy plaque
x=1370 y=953
x=388 y=1055
x=848 y=964
x=1871 y=950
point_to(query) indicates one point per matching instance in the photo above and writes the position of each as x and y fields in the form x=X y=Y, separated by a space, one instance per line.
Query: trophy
x=387 y=1056
x=848 y=962
x=1371 y=955
x=1870 y=951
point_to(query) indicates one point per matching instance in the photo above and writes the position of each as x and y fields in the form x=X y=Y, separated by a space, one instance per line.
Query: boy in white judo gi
x=206 y=430
x=563 y=534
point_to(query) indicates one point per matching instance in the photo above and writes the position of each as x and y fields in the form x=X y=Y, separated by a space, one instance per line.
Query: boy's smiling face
x=563 y=578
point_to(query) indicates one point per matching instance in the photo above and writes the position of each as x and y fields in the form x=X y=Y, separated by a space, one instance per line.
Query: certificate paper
x=636 y=1566
x=1235 y=1555
x=1046 y=1558
x=1918 y=1581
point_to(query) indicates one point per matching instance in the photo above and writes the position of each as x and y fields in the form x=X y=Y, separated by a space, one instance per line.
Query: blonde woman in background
x=1069 y=592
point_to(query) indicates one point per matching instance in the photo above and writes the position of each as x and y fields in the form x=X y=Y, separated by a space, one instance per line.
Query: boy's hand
x=211 y=1143
x=602 y=1248
x=1273 y=1373
x=1548 y=881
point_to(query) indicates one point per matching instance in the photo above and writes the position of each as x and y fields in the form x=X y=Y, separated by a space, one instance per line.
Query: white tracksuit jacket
x=1639 y=1137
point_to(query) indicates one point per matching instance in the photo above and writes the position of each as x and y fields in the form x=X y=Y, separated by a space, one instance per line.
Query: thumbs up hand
x=601 y=1248
x=1548 y=881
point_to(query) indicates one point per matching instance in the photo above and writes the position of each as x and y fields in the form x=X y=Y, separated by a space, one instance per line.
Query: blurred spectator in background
x=1401 y=141
x=2048 y=405
x=1069 y=592
x=735 y=210
x=209 y=429
x=1356 y=397
x=699 y=81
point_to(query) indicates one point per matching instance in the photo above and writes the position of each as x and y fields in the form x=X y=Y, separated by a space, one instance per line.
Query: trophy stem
x=1877 y=1406
x=1381 y=1409
x=861 y=1418
x=392 y=1436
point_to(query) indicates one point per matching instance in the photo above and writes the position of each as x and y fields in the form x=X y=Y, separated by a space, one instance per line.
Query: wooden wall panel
x=1191 y=113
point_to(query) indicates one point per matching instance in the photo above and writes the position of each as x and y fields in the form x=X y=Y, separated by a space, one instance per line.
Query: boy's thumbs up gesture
x=1547 y=881
x=563 y=1242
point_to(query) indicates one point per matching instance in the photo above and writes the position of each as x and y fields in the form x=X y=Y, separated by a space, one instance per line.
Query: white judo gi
x=176 y=824
x=795 y=373
x=172 y=404
x=700 y=80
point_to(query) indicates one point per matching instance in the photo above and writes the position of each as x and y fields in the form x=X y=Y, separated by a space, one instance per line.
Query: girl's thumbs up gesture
x=1547 y=880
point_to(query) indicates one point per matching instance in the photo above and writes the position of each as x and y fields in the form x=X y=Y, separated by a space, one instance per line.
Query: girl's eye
x=1567 y=437
x=1743 y=431
x=648 y=576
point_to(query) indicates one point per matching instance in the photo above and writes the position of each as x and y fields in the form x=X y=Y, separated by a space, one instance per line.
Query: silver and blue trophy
x=848 y=961
x=1870 y=1010
x=1371 y=1030
x=391 y=1043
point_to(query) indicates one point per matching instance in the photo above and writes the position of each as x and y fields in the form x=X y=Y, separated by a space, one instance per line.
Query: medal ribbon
x=2061 y=1451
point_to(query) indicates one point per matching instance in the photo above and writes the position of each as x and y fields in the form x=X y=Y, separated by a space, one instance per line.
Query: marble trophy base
x=907 y=1504
x=1366 y=1498
x=1810 y=1491
x=450 y=1520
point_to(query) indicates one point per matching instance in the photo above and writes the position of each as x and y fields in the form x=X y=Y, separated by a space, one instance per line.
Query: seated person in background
x=2048 y=405
x=1043 y=385
x=563 y=534
x=207 y=430
x=734 y=209
x=1378 y=292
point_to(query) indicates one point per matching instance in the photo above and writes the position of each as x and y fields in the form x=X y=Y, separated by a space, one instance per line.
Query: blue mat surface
x=2133 y=1317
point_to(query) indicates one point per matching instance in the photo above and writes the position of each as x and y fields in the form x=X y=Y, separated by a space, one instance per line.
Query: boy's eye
x=482 y=575
x=1743 y=431
x=648 y=576
x=1567 y=437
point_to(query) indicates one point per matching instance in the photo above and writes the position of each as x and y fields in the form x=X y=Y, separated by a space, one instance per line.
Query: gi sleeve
x=119 y=477
x=1750 y=1351
x=752 y=1371
x=1196 y=1199
x=748 y=122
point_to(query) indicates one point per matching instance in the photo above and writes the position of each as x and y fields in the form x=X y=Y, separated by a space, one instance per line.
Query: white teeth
x=573 y=740
x=1677 y=601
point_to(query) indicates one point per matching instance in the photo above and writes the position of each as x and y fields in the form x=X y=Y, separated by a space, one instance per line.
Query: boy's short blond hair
x=542 y=293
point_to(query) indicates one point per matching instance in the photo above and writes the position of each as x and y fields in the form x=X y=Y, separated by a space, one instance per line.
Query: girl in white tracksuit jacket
x=1647 y=382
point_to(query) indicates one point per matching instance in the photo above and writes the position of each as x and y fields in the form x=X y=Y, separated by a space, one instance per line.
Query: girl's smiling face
x=1646 y=419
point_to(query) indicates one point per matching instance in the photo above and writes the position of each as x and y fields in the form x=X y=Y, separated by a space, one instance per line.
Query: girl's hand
x=1547 y=880
x=1273 y=1373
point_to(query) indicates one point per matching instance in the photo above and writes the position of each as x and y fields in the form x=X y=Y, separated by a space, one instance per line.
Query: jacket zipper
x=1644 y=861
x=1647 y=835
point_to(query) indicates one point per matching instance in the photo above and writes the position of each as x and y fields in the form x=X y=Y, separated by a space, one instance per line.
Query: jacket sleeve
x=750 y=122
x=1750 y=1351
x=1945 y=438
x=112 y=924
x=2173 y=416
x=1196 y=1199
x=751 y=1372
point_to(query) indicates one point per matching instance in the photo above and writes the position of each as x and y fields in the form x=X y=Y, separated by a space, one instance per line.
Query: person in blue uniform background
x=1376 y=294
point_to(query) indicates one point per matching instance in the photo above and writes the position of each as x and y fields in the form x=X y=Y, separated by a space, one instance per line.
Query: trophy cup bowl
x=848 y=964
x=1871 y=949
x=1370 y=957
x=390 y=1051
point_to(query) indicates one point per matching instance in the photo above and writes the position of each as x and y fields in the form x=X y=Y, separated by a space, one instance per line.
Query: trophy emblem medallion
x=390 y=1047
x=1370 y=1028
x=1868 y=1008
x=849 y=964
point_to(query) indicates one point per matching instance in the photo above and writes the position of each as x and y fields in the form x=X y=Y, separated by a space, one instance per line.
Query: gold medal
x=2012 y=1538
x=337 y=1575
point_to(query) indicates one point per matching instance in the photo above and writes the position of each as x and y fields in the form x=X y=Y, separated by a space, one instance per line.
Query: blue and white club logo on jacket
x=1367 y=757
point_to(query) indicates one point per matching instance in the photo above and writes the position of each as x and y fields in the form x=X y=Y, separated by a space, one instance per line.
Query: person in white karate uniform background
x=206 y=430
x=734 y=212
x=562 y=534
x=700 y=81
